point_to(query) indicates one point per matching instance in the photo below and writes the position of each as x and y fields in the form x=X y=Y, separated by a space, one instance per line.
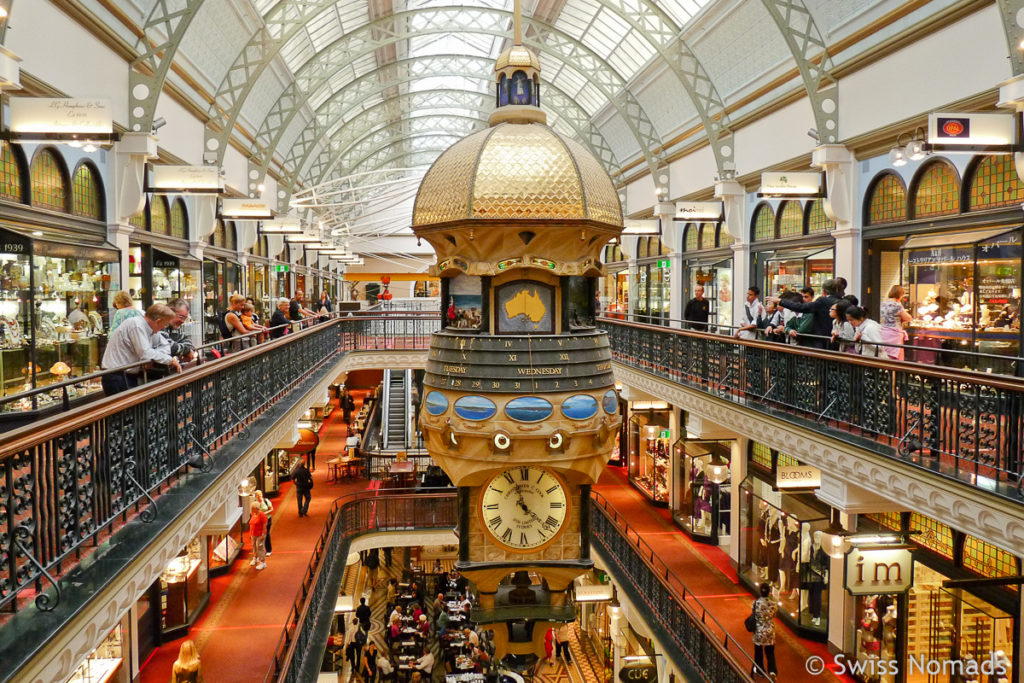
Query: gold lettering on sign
x=512 y=357
x=455 y=369
x=508 y=345
x=540 y=371
x=563 y=356
x=603 y=366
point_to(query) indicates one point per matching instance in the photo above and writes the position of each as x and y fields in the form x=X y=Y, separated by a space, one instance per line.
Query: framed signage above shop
x=700 y=211
x=641 y=227
x=185 y=180
x=245 y=208
x=968 y=132
x=797 y=478
x=60 y=119
x=879 y=570
x=791 y=184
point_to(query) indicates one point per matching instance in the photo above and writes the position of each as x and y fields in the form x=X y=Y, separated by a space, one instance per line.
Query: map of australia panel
x=526 y=308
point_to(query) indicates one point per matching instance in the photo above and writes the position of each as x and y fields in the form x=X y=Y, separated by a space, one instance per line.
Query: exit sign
x=281 y=269
x=663 y=263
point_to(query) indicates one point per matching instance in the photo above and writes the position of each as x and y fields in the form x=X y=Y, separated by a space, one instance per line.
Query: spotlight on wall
x=812 y=133
x=909 y=147
x=159 y=123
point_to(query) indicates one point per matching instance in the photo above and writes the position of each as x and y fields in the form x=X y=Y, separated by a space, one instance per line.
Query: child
x=249 y=324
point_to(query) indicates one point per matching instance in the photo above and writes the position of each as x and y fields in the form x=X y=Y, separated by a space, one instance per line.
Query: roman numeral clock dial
x=524 y=508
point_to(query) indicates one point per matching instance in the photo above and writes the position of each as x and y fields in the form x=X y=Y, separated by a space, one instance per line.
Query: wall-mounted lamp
x=912 y=150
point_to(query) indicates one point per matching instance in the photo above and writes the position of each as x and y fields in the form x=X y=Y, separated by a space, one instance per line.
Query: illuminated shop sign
x=960 y=132
x=700 y=211
x=185 y=180
x=876 y=571
x=60 y=116
x=245 y=208
x=791 y=184
x=799 y=477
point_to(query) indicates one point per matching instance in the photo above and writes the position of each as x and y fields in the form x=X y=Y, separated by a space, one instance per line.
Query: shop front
x=615 y=283
x=792 y=246
x=705 y=502
x=782 y=542
x=954 y=611
x=650 y=449
x=109 y=662
x=593 y=597
x=54 y=313
x=707 y=263
x=184 y=589
x=214 y=299
x=223 y=537
x=791 y=270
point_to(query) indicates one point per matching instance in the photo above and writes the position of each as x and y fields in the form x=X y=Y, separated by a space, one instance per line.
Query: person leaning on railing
x=173 y=340
x=134 y=342
x=279 y=320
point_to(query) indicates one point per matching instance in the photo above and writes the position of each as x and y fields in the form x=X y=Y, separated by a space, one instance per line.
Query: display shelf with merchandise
x=184 y=589
x=704 y=505
x=649 y=455
x=104 y=664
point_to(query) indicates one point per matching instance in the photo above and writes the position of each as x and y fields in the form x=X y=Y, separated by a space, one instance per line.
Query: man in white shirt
x=867 y=333
x=471 y=636
x=133 y=343
x=753 y=315
x=425 y=663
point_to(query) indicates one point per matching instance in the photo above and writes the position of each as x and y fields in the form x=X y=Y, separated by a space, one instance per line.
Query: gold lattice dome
x=516 y=171
x=517 y=55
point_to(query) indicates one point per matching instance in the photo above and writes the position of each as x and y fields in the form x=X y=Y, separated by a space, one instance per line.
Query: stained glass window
x=158 y=215
x=725 y=237
x=179 y=220
x=613 y=254
x=761 y=455
x=995 y=183
x=707 y=236
x=932 y=534
x=791 y=219
x=217 y=238
x=692 y=237
x=938 y=192
x=888 y=200
x=10 y=173
x=48 y=188
x=764 y=222
x=229 y=236
x=817 y=221
x=85 y=194
x=138 y=220
x=988 y=560
x=654 y=247
x=888 y=520
x=787 y=460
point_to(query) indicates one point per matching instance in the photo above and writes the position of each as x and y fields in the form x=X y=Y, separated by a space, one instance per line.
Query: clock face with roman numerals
x=524 y=508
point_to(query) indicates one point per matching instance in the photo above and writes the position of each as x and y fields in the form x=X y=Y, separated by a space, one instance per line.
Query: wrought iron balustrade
x=961 y=424
x=69 y=482
x=301 y=647
x=699 y=645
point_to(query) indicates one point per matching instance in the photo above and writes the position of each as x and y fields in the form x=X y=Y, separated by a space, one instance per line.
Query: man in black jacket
x=173 y=339
x=303 y=486
x=697 y=310
x=279 y=322
x=818 y=308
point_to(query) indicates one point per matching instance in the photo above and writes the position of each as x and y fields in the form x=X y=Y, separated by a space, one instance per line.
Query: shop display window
x=716 y=279
x=53 y=316
x=649 y=454
x=427 y=289
x=937 y=192
x=214 y=300
x=106 y=663
x=876 y=634
x=888 y=203
x=792 y=271
x=705 y=502
x=223 y=549
x=617 y=294
x=184 y=587
x=781 y=543
x=964 y=293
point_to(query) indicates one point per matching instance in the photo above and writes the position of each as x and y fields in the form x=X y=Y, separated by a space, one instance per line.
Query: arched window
x=138 y=219
x=49 y=187
x=936 y=191
x=654 y=246
x=817 y=221
x=613 y=254
x=230 y=237
x=85 y=194
x=887 y=200
x=641 y=247
x=725 y=237
x=158 y=221
x=692 y=237
x=217 y=237
x=995 y=183
x=179 y=219
x=791 y=219
x=764 y=222
x=10 y=173
x=707 y=236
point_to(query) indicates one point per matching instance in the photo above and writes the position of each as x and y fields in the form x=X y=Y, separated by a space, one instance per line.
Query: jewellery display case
x=106 y=663
x=963 y=292
x=224 y=545
x=53 y=313
x=184 y=589
x=649 y=452
x=790 y=271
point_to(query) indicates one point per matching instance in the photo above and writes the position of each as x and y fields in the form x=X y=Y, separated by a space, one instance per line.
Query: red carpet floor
x=707 y=572
x=241 y=627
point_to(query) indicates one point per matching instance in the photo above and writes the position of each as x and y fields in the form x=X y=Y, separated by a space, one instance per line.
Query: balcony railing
x=965 y=425
x=301 y=648
x=69 y=483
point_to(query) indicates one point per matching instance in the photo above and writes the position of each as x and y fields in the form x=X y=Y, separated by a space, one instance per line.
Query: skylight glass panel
x=576 y=16
x=682 y=11
x=631 y=54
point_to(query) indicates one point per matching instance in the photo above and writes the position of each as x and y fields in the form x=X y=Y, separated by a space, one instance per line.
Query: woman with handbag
x=763 y=618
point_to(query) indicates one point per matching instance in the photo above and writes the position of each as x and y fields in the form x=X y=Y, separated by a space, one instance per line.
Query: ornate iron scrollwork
x=23 y=534
x=147 y=514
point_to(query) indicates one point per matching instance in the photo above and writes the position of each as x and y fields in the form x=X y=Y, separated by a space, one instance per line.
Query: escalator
x=396 y=410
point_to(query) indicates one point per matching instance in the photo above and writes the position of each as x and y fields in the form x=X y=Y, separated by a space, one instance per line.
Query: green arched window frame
x=86 y=193
x=49 y=181
x=138 y=220
x=817 y=221
x=994 y=183
x=725 y=238
x=936 y=190
x=11 y=185
x=763 y=225
x=179 y=219
x=158 y=218
x=791 y=219
x=887 y=200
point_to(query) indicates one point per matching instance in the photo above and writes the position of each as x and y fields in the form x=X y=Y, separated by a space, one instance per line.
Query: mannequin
x=773 y=536
x=889 y=624
x=867 y=633
x=790 y=557
x=815 y=576
x=761 y=568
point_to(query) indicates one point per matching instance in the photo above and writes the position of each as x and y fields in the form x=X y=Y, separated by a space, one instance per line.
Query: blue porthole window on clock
x=610 y=402
x=579 y=407
x=475 y=408
x=436 y=404
x=528 y=409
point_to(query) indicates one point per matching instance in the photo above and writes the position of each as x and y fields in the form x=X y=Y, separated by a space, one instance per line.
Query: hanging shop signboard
x=281 y=226
x=639 y=672
x=308 y=441
x=797 y=478
x=788 y=184
x=185 y=180
x=245 y=208
x=700 y=211
x=597 y=592
x=640 y=227
x=968 y=132
x=879 y=570
x=60 y=118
